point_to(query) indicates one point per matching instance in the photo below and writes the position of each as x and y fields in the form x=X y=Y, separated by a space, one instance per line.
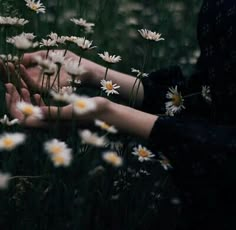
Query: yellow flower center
x=56 y=149
x=109 y=86
x=34 y=7
x=28 y=110
x=176 y=99
x=8 y=142
x=113 y=159
x=59 y=160
x=105 y=126
x=80 y=104
x=143 y=153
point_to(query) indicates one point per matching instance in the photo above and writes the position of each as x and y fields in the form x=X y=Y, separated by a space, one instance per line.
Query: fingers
x=29 y=58
x=25 y=95
x=38 y=100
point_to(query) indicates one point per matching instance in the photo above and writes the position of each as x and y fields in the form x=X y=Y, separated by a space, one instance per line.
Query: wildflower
x=29 y=110
x=70 y=38
x=109 y=58
x=103 y=125
x=83 y=23
x=47 y=66
x=54 y=37
x=22 y=41
x=92 y=138
x=59 y=152
x=84 y=44
x=55 y=146
x=149 y=35
x=5 y=121
x=206 y=93
x=9 y=58
x=9 y=21
x=9 y=141
x=143 y=153
x=73 y=68
x=139 y=73
x=112 y=158
x=82 y=104
x=165 y=163
x=4 y=180
x=176 y=103
x=48 y=43
x=57 y=57
x=109 y=88
x=38 y=7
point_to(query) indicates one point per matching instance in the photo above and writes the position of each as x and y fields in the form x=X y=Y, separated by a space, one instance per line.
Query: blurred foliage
x=103 y=198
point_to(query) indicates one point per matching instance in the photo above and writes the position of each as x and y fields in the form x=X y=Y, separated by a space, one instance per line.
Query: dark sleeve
x=188 y=141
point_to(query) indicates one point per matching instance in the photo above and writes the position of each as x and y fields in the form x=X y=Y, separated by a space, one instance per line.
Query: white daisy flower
x=9 y=58
x=83 y=23
x=22 y=41
x=165 y=163
x=62 y=159
x=92 y=138
x=176 y=103
x=29 y=110
x=47 y=66
x=4 y=180
x=109 y=88
x=143 y=153
x=73 y=68
x=139 y=73
x=82 y=104
x=57 y=57
x=9 y=21
x=103 y=125
x=149 y=35
x=63 y=94
x=109 y=58
x=38 y=7
x=206 y=93
x=112 y=158
x=9 y=141
x=70 y=38
x=5 y=121
x=84 y=44
x=48 y=43
x=54 y=146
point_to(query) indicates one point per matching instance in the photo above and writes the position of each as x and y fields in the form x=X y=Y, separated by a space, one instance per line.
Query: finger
x=38 y=100
x=25 y=95
x=29 y=58
x=29 y=81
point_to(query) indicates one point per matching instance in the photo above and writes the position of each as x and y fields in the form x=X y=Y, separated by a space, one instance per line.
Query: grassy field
x=89 y=194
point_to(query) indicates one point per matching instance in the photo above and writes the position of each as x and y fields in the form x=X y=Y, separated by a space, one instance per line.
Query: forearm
x=125 y=81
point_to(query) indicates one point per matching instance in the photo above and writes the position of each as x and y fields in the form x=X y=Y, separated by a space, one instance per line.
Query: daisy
x=62 y=159
x=92 y=138
x=165 y=163
x=29 y=110
x=82 y=104
x=143 y=153
x=9 y=58
x=206 y=93
x=103 y=125
x=56 y=38
x=9 y=21
x=48 y=43
x=47 y=66
x=139 y=73
x=9 y=141
x=38 y=7
x=176 y=103
x=83 y=23
x=84 y=44
x=73 y=68
x=112 y=158
x=54 y=146
x=149 y=35
x=5 y=121
x=4 y=180
x=109 y=88
x=109 y=58
x=57 y=57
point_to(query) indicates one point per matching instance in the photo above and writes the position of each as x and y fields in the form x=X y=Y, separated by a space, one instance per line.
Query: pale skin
x=125 y=119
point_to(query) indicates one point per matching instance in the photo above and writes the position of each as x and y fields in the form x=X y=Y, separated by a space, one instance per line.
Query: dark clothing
x=200 y=141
